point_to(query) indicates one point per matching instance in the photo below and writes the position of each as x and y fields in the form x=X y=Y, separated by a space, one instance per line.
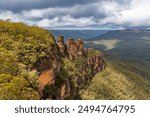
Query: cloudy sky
x=78 y=14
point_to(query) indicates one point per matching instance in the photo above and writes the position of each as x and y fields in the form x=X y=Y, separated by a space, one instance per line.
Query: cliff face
x=92 y=65
x=72 y=66
x=49 y=70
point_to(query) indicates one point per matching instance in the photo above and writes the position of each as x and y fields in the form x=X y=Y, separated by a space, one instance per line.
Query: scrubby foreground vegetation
x=21 y=48
x=122 y=79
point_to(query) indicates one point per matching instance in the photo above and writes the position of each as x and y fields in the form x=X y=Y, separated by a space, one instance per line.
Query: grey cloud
x=19 y=5
x=77 y=11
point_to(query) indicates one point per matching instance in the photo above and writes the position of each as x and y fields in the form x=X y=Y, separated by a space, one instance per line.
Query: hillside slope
x=122 y=79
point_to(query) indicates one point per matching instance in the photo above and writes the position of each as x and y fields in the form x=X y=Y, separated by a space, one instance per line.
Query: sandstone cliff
x=71 y=67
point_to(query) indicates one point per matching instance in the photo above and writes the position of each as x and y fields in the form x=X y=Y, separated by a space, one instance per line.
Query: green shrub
x=12 y=87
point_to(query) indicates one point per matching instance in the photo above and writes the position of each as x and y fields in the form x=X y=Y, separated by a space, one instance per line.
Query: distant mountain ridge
x=83 y=34
x=126 y=43
x=124 y=34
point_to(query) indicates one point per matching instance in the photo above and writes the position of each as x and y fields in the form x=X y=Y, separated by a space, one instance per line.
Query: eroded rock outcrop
x=72 y=49
x=62 y=46
x=84 y=64
x=80 y=47
x=93 y=64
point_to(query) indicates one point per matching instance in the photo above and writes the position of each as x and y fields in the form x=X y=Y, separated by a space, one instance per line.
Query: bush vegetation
x=21 y=48
x=122 y=80
x=13 y=87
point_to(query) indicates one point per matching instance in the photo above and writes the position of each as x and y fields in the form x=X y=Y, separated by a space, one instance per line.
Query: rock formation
x=62 y=46
x=80 y=47
x=72 y=49
x=91 y=62
x=49 y=69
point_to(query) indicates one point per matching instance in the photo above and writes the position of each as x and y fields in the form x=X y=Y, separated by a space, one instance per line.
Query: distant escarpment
x=33 y=65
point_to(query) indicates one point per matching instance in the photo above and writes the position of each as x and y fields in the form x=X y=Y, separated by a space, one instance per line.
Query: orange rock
x=46 y=78
x=65 y=89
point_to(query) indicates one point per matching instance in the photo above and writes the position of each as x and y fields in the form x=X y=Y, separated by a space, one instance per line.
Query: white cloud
x=66 y=21
x=9 y=15
x=127 y=13
x=135 y=15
